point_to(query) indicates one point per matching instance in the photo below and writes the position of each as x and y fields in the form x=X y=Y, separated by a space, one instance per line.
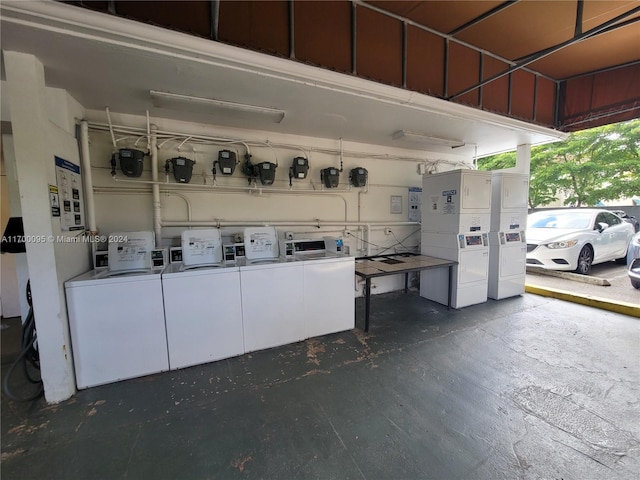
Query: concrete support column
x=523 y=159
x=34 y=164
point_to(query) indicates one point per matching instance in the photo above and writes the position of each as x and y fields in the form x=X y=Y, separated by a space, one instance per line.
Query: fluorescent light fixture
x=211 y=105
x=426 y=139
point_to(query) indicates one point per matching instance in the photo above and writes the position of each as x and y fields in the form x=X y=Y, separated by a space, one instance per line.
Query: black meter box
x=131 y=161
x=330 y=177
x=182 y=169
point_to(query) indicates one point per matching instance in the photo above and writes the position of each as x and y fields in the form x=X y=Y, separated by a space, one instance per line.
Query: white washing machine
x=116 y=316
x=202 y=303
x=272 y=292
x=329 y=304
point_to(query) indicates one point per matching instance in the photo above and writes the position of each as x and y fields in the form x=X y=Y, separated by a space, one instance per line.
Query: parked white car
x=633 y=260
x=575 y=239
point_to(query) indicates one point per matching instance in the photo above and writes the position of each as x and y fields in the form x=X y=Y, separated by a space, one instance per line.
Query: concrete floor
x=528 y=388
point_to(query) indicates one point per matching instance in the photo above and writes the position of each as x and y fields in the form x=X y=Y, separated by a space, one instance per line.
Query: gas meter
x=226 y=162
x=358 y=177
x=131 y=162
x=330 y=177
x=266 y=171
x=182 y=168
x=299 y=167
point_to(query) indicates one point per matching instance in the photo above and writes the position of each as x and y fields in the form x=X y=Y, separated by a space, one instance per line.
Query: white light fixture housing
x=426 y=139
x=212 y=106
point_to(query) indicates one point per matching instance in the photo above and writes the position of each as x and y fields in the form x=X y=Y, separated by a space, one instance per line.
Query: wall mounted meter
x=182 y=169
x=299 y=167
x=226 y=162
x=358 y=177
x=131 y=162
x=266 y=171
x=330 y=177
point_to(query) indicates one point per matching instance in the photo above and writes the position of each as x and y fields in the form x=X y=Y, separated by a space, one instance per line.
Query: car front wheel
x=635 y=283
x=585 y=259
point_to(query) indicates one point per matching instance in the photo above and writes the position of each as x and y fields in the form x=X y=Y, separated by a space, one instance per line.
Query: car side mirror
x=601 y=226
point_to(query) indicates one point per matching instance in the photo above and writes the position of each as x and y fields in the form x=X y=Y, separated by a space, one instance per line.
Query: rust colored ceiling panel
x=443 y=16
x=616 y=87
x=463 y=72
x=523 y=28
x=495 y=95
x=605 y=50
x=576 y=96
x=597 y=12
x=425 y=62
x=188 y=16
x=522 y=94
x=378 y=47
x=322 y=33
x=545 y=102
x=261 y=25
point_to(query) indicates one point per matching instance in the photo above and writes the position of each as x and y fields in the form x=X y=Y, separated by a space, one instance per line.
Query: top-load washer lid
x=201 y=246
x=260 y=243
x=130 y=251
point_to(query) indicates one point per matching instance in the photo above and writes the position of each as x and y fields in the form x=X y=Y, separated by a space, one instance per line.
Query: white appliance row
x=128 y=324
x=478 y=219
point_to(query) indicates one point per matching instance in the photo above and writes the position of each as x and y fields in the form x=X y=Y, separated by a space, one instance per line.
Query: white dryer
x=116 y=316
x=202 y=303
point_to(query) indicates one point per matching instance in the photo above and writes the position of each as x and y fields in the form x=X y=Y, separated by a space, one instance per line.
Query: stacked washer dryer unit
x=202 y=302
x=456 y=213
x=507 y=243
x=272 y=292
x=116 y=315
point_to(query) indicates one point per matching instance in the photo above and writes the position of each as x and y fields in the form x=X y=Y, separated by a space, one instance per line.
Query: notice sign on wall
x=70 y=195
x=415 y=204
x=55 y=201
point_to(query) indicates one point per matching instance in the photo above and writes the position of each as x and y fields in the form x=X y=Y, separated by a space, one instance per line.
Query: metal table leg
x=367 y=293
x=406 y=282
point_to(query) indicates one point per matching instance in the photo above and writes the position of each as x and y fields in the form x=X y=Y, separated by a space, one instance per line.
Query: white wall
x=127 y=206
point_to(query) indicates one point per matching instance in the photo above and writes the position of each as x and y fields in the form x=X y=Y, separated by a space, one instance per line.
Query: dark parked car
x=628 y=218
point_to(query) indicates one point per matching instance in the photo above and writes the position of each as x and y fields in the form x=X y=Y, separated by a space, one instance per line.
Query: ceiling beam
x=484 y=16
x=579 y=9
x=547 y=51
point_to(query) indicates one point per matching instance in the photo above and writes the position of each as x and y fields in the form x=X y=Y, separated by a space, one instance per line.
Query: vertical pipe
x=354 y=39
x=155 y=188
x=535 y=97
x=445 y=70
x=215 y=18
x=86 y=176
x=405 y=27
x=292 y=49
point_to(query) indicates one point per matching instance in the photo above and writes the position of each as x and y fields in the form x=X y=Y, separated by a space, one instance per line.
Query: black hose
x=29 y=356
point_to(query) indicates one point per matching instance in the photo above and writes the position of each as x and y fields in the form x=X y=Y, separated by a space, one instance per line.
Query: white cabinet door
x=328 y=296
x=204 y=317
x=272 y=305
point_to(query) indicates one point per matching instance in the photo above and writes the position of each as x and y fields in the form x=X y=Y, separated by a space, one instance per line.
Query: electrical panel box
x=458 y=201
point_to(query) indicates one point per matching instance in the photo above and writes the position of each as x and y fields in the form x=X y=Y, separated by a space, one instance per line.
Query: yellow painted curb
x=589 y=300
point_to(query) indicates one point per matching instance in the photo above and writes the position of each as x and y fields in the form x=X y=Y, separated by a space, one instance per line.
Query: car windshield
x=569 y=220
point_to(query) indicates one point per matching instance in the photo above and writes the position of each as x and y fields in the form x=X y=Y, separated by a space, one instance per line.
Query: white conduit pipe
x=155 y=187
x=87 y=178
x=229 y=189
x=281 y=223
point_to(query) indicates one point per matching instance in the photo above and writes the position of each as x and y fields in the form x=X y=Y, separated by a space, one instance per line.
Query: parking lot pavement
x=620 y=288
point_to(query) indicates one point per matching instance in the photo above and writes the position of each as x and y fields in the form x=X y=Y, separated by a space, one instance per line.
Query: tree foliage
x=601 y=163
